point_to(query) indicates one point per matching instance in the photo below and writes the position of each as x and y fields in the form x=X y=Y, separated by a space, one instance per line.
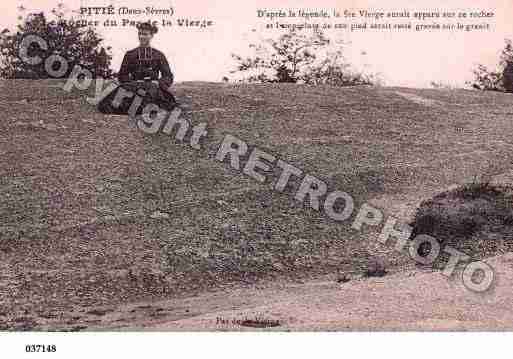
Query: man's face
x=145 y=37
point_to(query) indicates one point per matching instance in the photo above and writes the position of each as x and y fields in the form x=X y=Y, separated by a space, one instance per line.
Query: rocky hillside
x=96 y=213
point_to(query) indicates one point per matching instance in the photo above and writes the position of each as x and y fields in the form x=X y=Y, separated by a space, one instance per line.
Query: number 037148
x=40 y=348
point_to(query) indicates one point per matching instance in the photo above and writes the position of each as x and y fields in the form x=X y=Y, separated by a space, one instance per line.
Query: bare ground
x=406 y=301
x=81 y=246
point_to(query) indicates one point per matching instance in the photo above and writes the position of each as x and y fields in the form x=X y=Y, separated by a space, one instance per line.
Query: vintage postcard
x=254 y=166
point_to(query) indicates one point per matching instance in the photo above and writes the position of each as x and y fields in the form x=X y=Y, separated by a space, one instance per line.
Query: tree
x=281 y=60
x=298 y=57
x=498 y=79
x=78 y=44
x=334 y=70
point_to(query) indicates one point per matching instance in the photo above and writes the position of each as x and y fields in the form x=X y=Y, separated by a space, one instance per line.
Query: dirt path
x=413 y=300
x=407 y=299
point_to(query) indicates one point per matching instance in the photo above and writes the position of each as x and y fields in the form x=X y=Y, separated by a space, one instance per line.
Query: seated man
x=508 y=77
x=139 y=75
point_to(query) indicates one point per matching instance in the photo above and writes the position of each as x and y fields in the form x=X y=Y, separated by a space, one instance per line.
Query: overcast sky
x=407 y=59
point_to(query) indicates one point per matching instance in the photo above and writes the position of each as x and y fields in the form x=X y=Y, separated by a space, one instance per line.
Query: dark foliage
x=299 y=57
x=500 y=79
x=79 y=45
x=464 y=211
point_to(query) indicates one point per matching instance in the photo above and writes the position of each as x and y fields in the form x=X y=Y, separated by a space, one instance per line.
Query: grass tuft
x=474 y=212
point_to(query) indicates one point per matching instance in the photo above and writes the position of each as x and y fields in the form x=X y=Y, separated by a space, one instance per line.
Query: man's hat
x=147 y=26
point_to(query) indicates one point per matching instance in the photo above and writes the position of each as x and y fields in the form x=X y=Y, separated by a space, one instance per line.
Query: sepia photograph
x=173 y=170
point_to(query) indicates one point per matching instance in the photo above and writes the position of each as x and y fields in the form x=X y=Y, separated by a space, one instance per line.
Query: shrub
x=297 y=57
x=77 y=44
x=457 y=215
x=500 y=79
